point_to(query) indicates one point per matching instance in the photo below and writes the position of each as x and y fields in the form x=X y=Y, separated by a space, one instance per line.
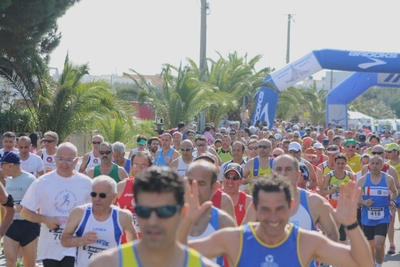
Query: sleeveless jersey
x=396 y=167
x=379 y=211
x=263 y=254
x=49 y=161
x=325 y=168
x=109 y=234
x=335 y=182
x=258 y=171
x=213 y=226
x=303 y=218
x=160 y=161
x=129 y=256
x=216 y=199
x=127 y=200
x=354 y=163
x=225 y=155
x=320 y=160
x=92 y=161
x=240 y=208
x=113 y=174
x=182 y=166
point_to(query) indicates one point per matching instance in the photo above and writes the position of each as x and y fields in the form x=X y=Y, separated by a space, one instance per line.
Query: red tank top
x=240 y=208
x=321 y=159
x=216 y=199
x=126 y=200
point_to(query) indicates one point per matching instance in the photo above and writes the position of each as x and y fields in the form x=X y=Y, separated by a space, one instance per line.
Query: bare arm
x=32 y=216
x=251 y=215
x=122 y=174
x=83 y=166
x=126 y=222
x=90 y=172
x=325 y=219
x=9 y=211
x=313 y=177
x=68 y=239
x=324 y=188
x=174 y=164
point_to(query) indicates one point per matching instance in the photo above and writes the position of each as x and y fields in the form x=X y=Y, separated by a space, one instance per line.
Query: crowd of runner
x=231 y=195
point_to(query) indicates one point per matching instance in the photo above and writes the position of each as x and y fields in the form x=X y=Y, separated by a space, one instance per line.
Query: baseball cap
x=350 y=142
x=362 y=137
x=10 y=157
x=142 y=142
x=234 y=167
x=311 y=152
x=204 y=156
x=318 y=145
x=392 y=146
x=294 y=146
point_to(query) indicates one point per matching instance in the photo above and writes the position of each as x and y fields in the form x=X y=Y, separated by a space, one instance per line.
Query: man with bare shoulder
x=92 y=158
x=159 y=196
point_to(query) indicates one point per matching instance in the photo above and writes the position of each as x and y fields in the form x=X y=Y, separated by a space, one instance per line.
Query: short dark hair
x=201 y=138
x=8 y=135
x=247 y=130
x=207 y=128
x=181 y=124
x=340 y=156
x=151 y=139
x=272 y=183
x=374 y=136
x=143 y=155
x=217 y=141
x=160 y=180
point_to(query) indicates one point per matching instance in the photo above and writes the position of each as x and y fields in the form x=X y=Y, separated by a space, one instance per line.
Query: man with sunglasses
x=205 y=174
x=94 y=227
x=353 y=158
x=55 y=194
x=159 y=197
x=21 y=233
x=233 y=179
x=92 y=158
x=260 y=165
x=48 y=153
x=203 y=148
x=180 y=164
x=107 y=166
x=252 y=149
x=378 y=196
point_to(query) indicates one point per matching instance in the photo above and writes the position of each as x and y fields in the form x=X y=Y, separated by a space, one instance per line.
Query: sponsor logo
x=95 y=161
x=371 y=64
x=392 y=78
x=261 y=111
x=65 y=201
x=49 y=159
x=336 y=121
x=375 y=56
x=269 y=262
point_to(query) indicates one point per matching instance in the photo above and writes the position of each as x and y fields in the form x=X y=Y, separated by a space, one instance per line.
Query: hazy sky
x=117 y=35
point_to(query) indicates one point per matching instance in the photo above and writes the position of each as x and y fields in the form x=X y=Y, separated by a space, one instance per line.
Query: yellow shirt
x=396 y=167
x=354 y=163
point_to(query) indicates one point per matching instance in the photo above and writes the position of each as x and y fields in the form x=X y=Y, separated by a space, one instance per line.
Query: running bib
x=375 y=213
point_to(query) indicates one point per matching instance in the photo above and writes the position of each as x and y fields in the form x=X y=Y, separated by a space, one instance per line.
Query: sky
x=114 y=36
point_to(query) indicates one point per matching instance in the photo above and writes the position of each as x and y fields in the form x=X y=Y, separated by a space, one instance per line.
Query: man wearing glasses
x=260 y=165
x=353 y=158
x=107 y=166
x=98 y=226
x=180 y=164
x=56 y=194
x=48 y=153
x=92 y=158
x=225 y=152
x=159 y=197
x=140 y=161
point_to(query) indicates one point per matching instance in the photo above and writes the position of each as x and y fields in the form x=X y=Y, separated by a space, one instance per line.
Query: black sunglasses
x=101 y=195
x=377 y=153
x=162 y=212
x=186 y=149
x=96 y=143
x=200 y=145
x=264 y=147
x=107 y=152
x=233 y=177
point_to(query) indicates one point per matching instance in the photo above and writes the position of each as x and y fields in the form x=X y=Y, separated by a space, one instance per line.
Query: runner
x=180 y=164
x=166 y=154
x=92 y=228
x=48 y=153
x=56 y=194
x=118 y=156
x=160 y=190
x=92 y=158
x=31 y=163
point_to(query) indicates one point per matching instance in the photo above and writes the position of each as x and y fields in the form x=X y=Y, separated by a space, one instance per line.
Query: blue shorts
x=398 y=202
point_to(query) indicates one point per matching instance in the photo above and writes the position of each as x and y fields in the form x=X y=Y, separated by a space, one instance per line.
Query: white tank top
x=109 y=234
x=92 y=161
x=182 y=166
x=49 y=161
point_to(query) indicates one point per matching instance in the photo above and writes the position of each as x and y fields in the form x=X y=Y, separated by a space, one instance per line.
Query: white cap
x=252 y=129
x=318 y=145
x=294 y=146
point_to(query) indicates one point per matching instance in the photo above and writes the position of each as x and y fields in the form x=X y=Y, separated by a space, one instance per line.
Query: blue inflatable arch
x=339 y=97
x=361 y=62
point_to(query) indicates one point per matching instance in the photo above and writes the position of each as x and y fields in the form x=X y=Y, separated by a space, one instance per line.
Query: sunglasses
x=276 y=155
x=233 y=177
x=107 y=152
x=96 y=143
x=253 y=147
x=293 y=151
x=162 y=212
x=140 y=166
x=351 y=146
x=70 y=160
x=48 y=141
x=232 y=134
x=186 y=149
x=264 y=147
x=389 y=151
x=101 y=195
x=200 y=145
x=377 y=153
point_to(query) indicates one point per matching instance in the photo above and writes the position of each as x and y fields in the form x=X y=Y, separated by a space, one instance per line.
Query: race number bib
x=375 y=213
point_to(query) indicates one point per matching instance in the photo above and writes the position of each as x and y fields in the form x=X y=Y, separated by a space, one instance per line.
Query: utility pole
x=203 y=55
x=290 y=17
